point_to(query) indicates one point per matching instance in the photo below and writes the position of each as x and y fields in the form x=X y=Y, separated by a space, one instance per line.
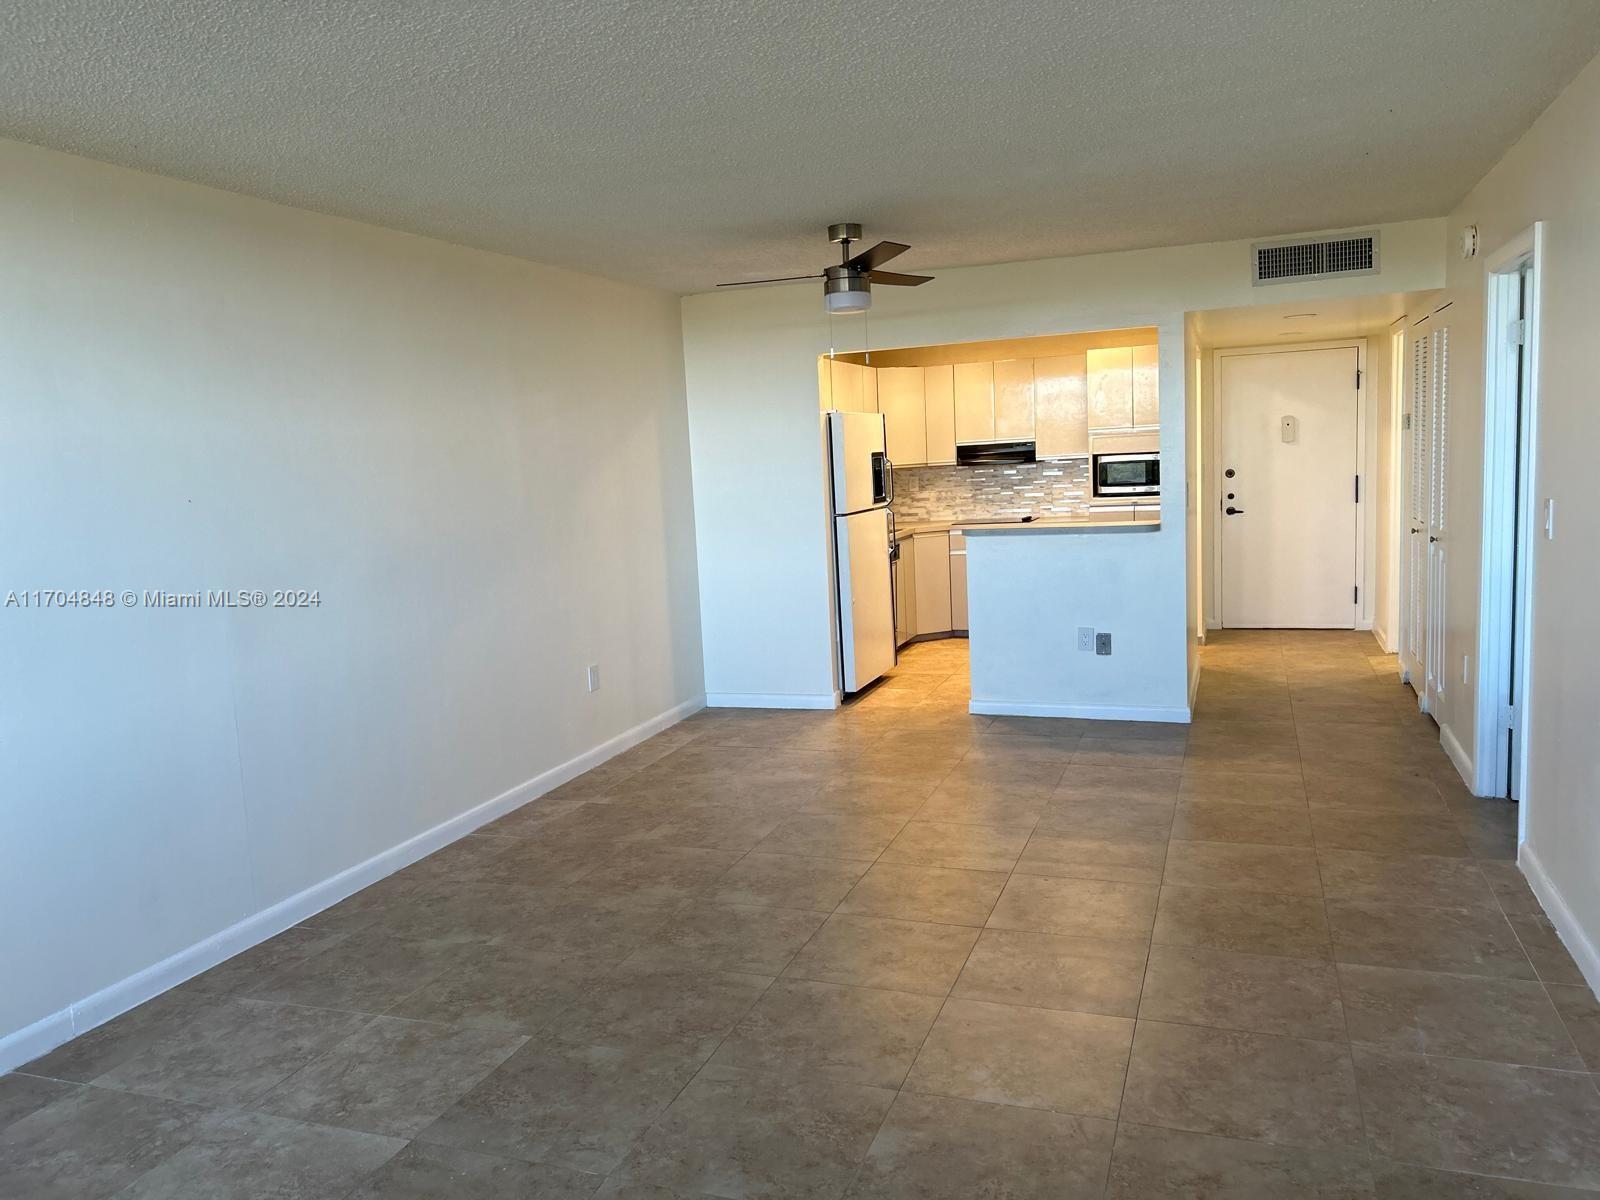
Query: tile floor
x=897 y=951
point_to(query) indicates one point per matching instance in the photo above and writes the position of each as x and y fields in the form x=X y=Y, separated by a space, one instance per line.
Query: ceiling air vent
x=1280 y=262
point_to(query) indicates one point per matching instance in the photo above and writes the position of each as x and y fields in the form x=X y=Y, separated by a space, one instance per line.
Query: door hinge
x=1358 y=380
x=1357 y=599
x=1518 y=331
x=1358 y=489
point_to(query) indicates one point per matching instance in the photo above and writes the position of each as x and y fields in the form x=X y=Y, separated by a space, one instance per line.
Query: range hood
x=979 y=454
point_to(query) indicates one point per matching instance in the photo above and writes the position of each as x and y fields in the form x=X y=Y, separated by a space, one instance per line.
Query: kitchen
x=932 y=448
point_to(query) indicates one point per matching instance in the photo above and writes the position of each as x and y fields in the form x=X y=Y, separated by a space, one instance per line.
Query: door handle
x=1232 y=511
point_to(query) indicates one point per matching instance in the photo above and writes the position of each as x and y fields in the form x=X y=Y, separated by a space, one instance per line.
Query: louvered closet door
x=1438 y=494
x=1414 y=566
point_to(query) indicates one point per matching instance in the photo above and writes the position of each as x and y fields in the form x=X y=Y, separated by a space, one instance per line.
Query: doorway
x=1509 y=523
x=1291 y=432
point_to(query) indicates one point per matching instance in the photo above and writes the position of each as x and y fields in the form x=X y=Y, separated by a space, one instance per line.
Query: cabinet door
x=900 y=401
x=939 y=404
x=1061 y=405
x=1111 y=388
x=974 y=402
x=845 y=386
x=933 y=582
x=1146 y=387
x=958 y=583
x=1013 y=398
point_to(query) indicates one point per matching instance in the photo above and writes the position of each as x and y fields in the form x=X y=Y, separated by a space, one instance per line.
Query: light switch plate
x=1085 y=639
x=592 y=677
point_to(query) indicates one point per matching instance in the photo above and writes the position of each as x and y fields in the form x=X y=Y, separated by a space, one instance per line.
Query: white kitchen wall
x=481 y=466
x=1552 y=175
x=750 y=364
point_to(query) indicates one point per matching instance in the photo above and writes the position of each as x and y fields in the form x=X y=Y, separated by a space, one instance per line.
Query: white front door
x=1418 y=490
x=1289 y=423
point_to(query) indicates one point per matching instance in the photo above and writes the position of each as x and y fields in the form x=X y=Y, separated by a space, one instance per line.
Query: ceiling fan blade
x=780 y=279
x=881 y=253
x=896 y=279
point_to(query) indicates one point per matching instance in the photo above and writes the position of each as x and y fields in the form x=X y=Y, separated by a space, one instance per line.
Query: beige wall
x=1551 y=175
x=481 y=465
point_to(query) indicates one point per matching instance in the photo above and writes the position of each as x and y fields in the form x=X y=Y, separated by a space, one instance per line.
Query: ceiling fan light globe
x=847 y=302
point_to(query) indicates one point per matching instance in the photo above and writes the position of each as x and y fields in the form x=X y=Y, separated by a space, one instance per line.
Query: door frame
x=1509 y=488
x=1366 y=454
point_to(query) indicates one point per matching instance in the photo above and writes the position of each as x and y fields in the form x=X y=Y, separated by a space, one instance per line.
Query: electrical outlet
x=1102 y=643
x=1085 y=639
x=592 y=677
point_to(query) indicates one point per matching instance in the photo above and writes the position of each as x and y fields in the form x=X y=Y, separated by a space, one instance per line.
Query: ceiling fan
x=847 y=288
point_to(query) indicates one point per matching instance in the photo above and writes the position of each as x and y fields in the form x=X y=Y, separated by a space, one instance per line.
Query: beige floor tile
x=1122 y=858
x=1544 y=947
x=1166 y=1164
x=1035 y=1058
x=937 y=1148
x=731 y=1133
x=1228 y=821
x=840 y=837
x=1401 y=1181
x=801 y=1029
x=1241 y=787
x=1580 y=1010
x=1158 y=754
x=943 y=895
x=1118 y=783
x=1097 y=815
x=1292 y=997
x=423 y=1172
x=1460 y=1016
x=1046 y=970
x=1245 y=922
x=1487 y=1118
x=906 y=956
x=1458 y=940
x=786 y=881
x=1076 y=907
x=1280 y=870
x=1387 y=833
x=1412 y=880
x=1286 y=1091
x=730 y=937
x=966 y=847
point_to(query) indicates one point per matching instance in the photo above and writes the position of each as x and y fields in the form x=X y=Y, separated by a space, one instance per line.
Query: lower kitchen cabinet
x=905 y=593
x=932 y=590
x=958 y=582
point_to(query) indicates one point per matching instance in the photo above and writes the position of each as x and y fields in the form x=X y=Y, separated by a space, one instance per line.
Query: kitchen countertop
x=1121 y=519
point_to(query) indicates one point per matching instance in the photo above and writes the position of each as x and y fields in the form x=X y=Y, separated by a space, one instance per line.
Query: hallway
x=897 y=951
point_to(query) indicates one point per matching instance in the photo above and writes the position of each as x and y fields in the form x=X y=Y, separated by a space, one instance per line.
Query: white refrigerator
x=863 y=537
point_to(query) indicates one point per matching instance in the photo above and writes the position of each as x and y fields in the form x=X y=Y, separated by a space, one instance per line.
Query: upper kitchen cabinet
x=1110 y=388
x=1061 y=405
x=974 y=402
x=849 y=387
x=900 y=400
x=1146 y=387
x=1013 y=399
x=939 y=407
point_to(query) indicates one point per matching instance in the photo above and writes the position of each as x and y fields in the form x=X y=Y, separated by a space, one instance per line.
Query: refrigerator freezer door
x=866 y=603
x=860 y=467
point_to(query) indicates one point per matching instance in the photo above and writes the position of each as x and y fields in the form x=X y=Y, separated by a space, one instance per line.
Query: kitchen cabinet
x=958 y=582
x=850 y=387
x=1111 y=388
x=939 y=403
x=1013 y=399
x=900 y=400
x=932 y=587
x=1060 y=405
x=905 y=593
x=974 y=402
x=1146 y=387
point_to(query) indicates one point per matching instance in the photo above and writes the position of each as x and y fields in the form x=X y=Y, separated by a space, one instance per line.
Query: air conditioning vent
x=1280 y=262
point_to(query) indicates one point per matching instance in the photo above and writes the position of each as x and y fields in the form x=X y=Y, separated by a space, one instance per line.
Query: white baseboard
x=1459 y=758
x=1170 y=714
x=772 y=700
x=1194 y=686
x=1572 y=934
x=44 y=1035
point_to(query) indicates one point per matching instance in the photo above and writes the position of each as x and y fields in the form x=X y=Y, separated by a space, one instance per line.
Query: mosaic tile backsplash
x=1057 y=488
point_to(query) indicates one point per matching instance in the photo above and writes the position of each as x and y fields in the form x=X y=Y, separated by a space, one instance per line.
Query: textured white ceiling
x=679 y=144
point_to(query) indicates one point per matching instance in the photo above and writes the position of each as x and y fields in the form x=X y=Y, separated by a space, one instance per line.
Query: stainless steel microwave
x=1127 y=474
